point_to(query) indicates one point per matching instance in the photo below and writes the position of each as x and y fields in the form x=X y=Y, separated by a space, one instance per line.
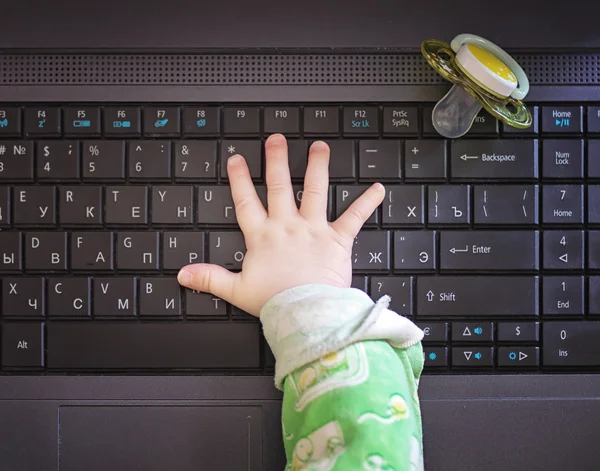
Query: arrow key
x=563 y=250
x=473 y=357
x=475 y=332
x=518 y=357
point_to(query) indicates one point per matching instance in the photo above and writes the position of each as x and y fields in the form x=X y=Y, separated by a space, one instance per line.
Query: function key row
x=291 y=120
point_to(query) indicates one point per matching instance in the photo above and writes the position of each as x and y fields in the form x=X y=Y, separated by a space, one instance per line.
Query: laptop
x=115 y=121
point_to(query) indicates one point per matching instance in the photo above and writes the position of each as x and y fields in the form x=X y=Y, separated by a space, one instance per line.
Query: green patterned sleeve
x=354 y=405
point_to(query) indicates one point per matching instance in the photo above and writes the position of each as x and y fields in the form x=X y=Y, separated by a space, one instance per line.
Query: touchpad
x=159 y=438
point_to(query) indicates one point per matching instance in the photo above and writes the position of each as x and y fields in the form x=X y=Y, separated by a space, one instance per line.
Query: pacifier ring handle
x=523 y=82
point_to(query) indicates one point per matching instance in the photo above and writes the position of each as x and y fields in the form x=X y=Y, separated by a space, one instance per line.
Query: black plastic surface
x=478 y=422
x=132 y=24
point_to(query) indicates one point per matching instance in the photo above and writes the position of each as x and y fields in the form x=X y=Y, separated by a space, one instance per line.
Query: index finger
x=249 y=210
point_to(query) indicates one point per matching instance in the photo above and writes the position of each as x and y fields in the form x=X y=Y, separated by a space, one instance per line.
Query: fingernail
x=319 y=145
x=275 y=139
x=184 y=277
x=379 y=186
x=234 y=159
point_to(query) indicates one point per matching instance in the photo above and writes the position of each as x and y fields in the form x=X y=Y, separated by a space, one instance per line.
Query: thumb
x=208 y=278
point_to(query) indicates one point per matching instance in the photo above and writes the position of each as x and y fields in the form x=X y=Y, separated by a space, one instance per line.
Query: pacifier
x=484 y=76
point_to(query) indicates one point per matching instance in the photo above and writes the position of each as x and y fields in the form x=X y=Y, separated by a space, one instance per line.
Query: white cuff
x=304 y=323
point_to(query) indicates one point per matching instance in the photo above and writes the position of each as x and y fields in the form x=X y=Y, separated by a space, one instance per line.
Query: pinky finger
x=351 y=221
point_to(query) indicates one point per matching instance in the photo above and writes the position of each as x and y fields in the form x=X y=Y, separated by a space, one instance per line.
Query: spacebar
x=152 y=345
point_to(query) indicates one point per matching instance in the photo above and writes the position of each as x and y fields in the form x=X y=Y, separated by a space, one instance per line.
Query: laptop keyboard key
x=172 y=205
x=126 y=205
x=484 y=123
x=16 y=160
x=23 y=345
x=506 y=205
x=494 y=159
x=321 y=120
x=10 y=121
x=34 y=205
x=472 y=357
x=107 y=346
x=571 y=344
x=137 y=251
x=434 y=332
x=518 y=332
x=284 y=120
x=298 y=158
x=122 y=121
x=414 y=251
x=149 y=160
x=562 y=119
x=10 y=251
x=57 y=160
x=69 y=297
x=563 y=204
x=489 y=250
x=43 y=121
x=342 y=160
x=361 y=120
x=400 y=120
x=81 y=121
x=80 y=205
x=103 y=160
x=91 y=251
x=5 y=206
x=227 y=249
x=250 y=150
x=201 y=121
x=345 y=195
x=371 y=251
x=425 y=160
x=435 y=357
x=196 y=160
x=473 y=332
x=563 y=250
x=477 y=296
x=162 y=121
x=46 y=251
x=23 y=297
x=449 y=204
x=379 y=160
x=563 y=295
x=204 y=304
x=399 y=289
x=519 y=357
x=404 y=205
x=115 y=297
x=182 y=248
x=160 y=297
x=241 y=121
x=562 y=158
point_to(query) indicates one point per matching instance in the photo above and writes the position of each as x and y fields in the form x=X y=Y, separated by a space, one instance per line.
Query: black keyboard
x=490 y=243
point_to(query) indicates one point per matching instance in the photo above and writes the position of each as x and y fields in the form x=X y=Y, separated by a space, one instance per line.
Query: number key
x=149 y=160
x=196 y=160
x=563 y=204
x=16 y=160
x=563 y=250
x=57 y=160
x=103 y=160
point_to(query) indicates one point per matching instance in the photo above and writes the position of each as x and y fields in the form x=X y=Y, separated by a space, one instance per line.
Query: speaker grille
x=265 y=69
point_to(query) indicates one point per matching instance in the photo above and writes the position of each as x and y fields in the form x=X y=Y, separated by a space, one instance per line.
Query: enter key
x=489 y=251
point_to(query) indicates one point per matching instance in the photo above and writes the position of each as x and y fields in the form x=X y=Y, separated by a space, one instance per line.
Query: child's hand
x=286 y=247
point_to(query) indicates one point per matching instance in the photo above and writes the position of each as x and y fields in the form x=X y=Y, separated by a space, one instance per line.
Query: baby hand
x=286 y=246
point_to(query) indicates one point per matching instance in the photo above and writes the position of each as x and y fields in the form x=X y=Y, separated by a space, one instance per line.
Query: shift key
x=481 y=296
x=494 y=159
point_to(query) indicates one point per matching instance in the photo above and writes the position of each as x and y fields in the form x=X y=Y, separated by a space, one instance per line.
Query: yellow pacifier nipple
x=484 y=76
